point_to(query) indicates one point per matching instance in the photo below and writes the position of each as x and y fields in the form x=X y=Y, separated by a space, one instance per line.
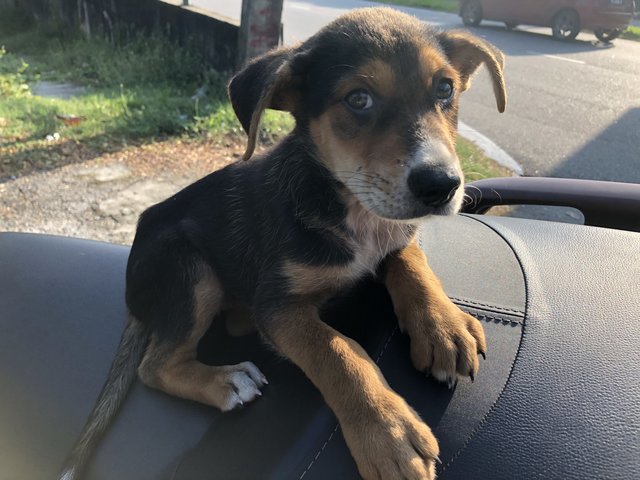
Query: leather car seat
x=557 y=397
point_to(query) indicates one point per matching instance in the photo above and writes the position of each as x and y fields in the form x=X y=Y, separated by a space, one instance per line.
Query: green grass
x=135 y=90
x=631 y=33
x=139 y=87
x=443 y=5
x=475 y=164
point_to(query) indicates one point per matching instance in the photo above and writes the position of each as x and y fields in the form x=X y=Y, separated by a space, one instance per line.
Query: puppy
x=375 y=98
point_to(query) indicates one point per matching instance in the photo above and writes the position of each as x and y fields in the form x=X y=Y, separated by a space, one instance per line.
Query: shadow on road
x=623 y=137
x=518 y=42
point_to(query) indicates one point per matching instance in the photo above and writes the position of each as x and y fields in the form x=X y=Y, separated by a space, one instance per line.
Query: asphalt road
x=574 y=108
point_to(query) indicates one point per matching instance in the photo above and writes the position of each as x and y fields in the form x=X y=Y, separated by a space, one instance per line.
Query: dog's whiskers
x=355 y=186
x=473 y=200
x=360 y=192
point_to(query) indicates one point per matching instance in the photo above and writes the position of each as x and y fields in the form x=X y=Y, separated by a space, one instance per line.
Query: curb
x=489 y=148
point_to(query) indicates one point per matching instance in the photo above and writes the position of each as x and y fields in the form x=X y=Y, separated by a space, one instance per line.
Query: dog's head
x=376 y=92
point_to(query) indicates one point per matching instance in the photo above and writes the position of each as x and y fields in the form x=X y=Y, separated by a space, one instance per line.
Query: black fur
x=244 y=220
x=245 y=92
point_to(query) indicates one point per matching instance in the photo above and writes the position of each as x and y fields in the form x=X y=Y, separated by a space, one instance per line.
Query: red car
x=606 y=18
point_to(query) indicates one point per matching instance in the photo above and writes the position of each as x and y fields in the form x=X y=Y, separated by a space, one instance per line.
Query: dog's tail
x=121 y=376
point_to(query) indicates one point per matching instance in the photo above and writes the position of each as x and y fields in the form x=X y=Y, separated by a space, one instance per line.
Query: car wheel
x=471 y=13
x=566 y=25
x=510 y=26
x=607 y=35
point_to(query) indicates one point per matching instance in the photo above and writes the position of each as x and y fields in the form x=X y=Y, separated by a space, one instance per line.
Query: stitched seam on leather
x=382 y=352
x=492 y=307
x=515 y=359
x=384 y=349
x=481 y=316
x=319 y=452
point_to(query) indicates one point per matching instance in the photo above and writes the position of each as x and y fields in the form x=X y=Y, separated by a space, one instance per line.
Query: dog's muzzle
x=433 y=186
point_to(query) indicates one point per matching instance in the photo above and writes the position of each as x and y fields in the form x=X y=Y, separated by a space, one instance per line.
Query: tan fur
x=371 y=237
x=376 y=422
x=469 y=52
x=431 y=62
x=321 y=280
x=373 y=164
x=442 y=131
x=344 y=147
x=174 y=368
x=378 y=76
x=444 y=340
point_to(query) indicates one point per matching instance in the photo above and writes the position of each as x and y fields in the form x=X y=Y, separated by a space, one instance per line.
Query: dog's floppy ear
x=467 y=52
x=266 y=82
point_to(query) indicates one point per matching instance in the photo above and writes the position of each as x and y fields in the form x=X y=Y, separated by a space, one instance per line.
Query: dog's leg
x=445 y=341
x=172 y=366
x=387 y=438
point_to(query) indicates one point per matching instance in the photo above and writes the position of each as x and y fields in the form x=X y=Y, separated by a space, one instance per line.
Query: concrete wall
x=216 y=38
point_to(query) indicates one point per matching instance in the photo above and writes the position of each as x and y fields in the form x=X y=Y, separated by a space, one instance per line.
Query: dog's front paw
x=446 y=343
x=388 y=440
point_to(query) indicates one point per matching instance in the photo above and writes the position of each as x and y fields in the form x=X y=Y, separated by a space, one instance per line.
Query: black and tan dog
x=375 y=99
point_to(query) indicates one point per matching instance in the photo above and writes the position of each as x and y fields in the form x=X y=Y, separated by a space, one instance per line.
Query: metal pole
x=260 y=28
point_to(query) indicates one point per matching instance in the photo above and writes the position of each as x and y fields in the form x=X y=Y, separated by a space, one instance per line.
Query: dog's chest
x=375 y=243
x=370 y=243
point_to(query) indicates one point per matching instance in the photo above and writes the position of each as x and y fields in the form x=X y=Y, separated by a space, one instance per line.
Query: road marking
x=299 y=6
x=556 y=57
x=489 y=148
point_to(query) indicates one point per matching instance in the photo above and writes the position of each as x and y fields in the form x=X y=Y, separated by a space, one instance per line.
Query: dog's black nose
x=433 y=186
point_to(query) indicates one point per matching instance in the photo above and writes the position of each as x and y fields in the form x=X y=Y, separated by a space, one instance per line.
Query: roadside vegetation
x=442 y=5
x=631 y=33
x=134 y=91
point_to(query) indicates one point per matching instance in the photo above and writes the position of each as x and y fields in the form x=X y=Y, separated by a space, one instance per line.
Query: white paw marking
x=245 y=381
x=444 y=377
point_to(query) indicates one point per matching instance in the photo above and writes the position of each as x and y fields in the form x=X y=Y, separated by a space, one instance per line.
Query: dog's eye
x=444 y=89
x=359 y=100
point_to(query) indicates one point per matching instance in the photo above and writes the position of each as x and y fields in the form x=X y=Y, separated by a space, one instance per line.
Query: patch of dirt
x=19 y=157
x=102 y=198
